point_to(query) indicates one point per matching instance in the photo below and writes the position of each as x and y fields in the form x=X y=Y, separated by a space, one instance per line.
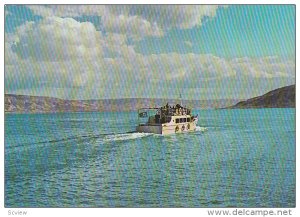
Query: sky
x=149 y=51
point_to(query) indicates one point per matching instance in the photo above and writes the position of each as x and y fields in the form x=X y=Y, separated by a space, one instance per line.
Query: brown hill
x=279 y=98
x=40 y=104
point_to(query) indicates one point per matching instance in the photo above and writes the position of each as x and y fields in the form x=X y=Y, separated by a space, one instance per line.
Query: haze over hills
x=279 y=98
x=40 y=104
x=283 y=97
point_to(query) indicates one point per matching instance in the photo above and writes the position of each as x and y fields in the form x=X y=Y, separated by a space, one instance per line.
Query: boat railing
x=155 y=115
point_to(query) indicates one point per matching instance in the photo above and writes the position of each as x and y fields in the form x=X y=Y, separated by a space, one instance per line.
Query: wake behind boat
x=166 y=120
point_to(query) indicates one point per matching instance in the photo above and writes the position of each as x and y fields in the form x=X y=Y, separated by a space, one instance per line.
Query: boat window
x=181 y=120
x=177 y=120
x=184 y=119
x=188 y=119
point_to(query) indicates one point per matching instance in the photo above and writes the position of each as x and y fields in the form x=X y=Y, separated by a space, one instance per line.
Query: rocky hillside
x=39 y=104
x=279 y=98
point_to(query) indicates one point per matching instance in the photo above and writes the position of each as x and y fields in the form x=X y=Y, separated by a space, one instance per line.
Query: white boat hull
x=168 y=128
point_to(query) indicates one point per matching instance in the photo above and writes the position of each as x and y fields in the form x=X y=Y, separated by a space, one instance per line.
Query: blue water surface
x=236 y=158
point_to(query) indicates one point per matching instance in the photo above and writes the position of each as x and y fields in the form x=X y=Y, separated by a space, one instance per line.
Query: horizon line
x=119 y=98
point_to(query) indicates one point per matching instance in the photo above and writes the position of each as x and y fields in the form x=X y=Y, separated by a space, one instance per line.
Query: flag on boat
x=143 y=115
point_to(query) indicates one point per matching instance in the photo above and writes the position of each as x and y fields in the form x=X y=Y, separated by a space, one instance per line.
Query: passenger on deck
x=189 y=112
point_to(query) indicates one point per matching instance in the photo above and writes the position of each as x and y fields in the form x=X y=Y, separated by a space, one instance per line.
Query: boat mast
x=180 y=98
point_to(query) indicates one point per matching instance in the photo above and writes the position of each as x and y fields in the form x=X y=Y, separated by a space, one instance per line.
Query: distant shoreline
x=283 y=97
x=39 y=104
x=64 y=112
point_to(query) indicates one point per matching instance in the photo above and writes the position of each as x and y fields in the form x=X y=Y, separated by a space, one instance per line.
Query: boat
x=166 y=120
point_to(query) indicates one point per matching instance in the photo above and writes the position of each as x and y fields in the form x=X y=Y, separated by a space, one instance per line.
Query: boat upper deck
x=167 y=113
x=168 y=110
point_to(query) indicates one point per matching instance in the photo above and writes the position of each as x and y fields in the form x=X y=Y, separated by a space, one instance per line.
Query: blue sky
x=237 y=31
x=105 y=51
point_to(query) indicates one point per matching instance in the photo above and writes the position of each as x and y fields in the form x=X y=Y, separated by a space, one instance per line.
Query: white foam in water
x=126 y=136
x=129 y=136
x=200 y=129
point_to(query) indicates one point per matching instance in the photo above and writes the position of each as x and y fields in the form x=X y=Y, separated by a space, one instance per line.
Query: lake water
x=236 y=158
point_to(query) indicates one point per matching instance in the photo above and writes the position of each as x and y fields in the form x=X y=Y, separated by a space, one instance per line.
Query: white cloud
x=266 y=67
x=133 y=26
x=168 y=16
x=67 y=10
x=188 y=44
x=60 y=53
x=136 y=21
x=6 y=13
x=56 y=38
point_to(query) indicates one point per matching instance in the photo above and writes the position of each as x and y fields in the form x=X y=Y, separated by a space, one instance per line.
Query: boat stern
x=156 y=129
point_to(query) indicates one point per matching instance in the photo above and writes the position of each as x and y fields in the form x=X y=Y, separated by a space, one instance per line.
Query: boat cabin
x=168 y=114
x=166 y=120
